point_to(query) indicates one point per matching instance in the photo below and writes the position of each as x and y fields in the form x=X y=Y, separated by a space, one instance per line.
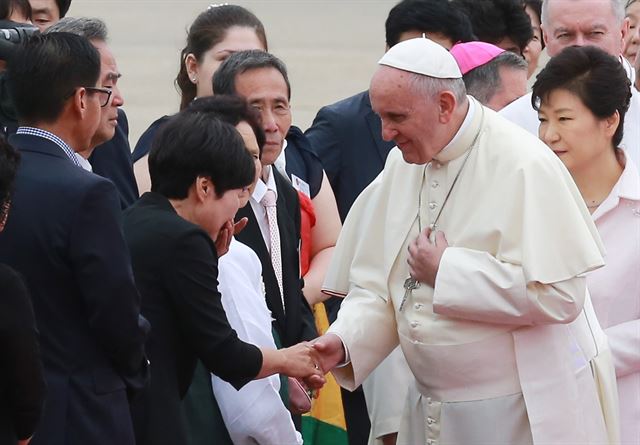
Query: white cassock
x=521 y=112
x=255 y=413
x=493 y=357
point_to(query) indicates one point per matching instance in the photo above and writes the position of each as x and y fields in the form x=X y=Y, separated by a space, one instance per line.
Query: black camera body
x=13 y=34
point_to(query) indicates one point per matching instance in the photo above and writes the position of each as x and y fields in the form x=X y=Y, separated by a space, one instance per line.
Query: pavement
x=330 y=48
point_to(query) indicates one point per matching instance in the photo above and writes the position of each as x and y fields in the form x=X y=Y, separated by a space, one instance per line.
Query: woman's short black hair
x=198 y=143
x=597 y=78
x=232 y=110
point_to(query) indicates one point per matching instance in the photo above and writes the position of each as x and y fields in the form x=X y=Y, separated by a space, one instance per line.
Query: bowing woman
x=200 y=170
x=582 y=96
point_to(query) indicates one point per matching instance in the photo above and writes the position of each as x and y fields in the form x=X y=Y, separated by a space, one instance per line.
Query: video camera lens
x=13 y=34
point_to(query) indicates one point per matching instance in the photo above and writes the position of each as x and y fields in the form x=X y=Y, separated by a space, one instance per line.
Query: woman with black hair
x=582 y=97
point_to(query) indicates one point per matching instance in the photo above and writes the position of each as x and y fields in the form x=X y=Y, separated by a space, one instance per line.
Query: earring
x=194 y=79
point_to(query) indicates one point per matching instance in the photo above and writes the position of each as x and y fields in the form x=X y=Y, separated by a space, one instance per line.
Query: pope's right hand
x=330 y=350
x=303 y=361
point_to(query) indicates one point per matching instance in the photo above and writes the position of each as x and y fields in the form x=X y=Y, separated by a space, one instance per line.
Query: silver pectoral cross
x=409 y=285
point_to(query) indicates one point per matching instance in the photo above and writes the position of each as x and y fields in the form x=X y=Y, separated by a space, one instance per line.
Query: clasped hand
x=425 y=255
x=302 y=361
x=315 y=359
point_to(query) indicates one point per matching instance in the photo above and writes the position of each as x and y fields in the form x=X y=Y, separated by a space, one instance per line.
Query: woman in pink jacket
x=582 y=96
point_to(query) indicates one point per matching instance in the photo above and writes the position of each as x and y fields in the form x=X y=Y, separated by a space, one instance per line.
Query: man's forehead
x=38 y=6
x=262 y=83
x=579 y=12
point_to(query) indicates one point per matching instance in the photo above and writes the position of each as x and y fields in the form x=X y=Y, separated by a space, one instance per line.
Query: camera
x=11 y=35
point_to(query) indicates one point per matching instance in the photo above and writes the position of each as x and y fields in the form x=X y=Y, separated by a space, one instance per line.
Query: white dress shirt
x=255 y=414
x=258 y=208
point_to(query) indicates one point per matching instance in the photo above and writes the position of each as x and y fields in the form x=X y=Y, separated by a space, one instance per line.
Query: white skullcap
x=422 y=56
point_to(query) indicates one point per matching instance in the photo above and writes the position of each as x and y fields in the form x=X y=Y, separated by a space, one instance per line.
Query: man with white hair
x=600 y=23
x=469 y=251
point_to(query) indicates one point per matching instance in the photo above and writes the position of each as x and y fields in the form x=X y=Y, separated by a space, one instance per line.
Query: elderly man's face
x=408 y=118
x=266 y=90
x=109 y=76
x=581 y=23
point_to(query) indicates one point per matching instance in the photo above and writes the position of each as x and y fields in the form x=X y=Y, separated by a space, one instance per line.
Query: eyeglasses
x=106 y=94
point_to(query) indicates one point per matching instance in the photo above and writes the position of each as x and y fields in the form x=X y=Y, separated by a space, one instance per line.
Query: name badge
x=300 y=185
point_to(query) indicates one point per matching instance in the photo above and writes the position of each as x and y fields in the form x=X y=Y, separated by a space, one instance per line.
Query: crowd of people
x=469 y=226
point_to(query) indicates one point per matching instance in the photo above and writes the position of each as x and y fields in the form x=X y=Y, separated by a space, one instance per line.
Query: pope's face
x=408 y=118
x=581 y=23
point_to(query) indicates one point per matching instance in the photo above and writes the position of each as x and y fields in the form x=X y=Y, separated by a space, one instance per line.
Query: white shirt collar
x=261 y=187
x=84 y=163
x=281 y=161
x=443 y=154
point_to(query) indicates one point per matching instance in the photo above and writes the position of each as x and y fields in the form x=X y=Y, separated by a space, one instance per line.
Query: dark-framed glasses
x=105 y=94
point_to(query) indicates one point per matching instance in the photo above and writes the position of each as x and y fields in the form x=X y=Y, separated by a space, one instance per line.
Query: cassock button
x=435 y=184
x=433 y=205
x=417 y=306
x=431 y=442
x=414 y=324
x=431 y=421
x=636 y=212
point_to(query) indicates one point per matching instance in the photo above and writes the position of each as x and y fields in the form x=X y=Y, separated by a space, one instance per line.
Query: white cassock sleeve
x=474 y=285
x=367 y=343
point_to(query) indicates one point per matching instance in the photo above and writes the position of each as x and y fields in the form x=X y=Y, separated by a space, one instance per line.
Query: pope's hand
x=330 y=350
x=425 y=255
x=303 y=361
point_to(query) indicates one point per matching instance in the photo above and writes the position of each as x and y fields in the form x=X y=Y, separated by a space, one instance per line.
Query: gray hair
x=430 y=87
x=87 y=27
x=484 y=81
x=617 y=7
x=224 y=79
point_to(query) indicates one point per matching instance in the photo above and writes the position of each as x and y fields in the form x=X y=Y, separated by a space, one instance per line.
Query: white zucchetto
x=422 y=56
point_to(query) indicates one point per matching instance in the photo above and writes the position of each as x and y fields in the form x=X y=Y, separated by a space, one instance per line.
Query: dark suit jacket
x=21 y=377
x=64 y=236
x=297 y=324
x=112 y=160
x=347 y=136
x=176 y=269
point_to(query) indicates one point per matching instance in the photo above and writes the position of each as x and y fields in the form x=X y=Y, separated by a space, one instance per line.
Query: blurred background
x=330 y=47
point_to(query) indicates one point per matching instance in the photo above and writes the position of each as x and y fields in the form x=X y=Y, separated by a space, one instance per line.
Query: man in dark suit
x=261 y=78
x=200 y=169
x=347 y=136
x=64 y=237
x=111 y=157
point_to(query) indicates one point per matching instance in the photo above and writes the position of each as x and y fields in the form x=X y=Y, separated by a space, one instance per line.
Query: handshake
x=309 y=362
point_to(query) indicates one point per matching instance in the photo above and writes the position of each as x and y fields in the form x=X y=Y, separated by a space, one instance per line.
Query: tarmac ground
x=330 y=48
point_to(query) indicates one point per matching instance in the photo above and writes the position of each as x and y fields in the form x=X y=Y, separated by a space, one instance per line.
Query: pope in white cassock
x=469 y=251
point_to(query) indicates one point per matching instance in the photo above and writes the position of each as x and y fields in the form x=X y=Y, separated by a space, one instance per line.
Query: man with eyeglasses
x=64 y=237
x=110 y=154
